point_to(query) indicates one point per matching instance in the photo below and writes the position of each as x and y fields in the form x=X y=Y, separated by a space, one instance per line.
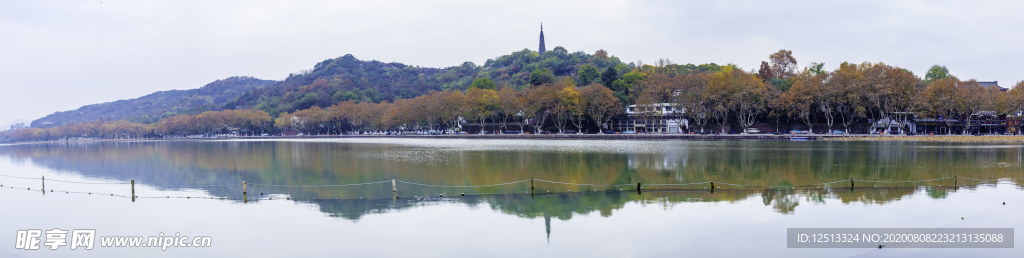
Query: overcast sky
x=57 y=56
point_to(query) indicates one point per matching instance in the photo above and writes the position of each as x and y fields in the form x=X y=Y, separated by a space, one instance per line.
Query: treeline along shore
x=702 y=99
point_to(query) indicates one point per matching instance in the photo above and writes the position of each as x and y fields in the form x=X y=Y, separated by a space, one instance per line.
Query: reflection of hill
x=194 y=163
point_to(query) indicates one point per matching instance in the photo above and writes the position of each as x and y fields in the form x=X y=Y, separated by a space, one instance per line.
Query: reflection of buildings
x=198 y=163
x=547 y=225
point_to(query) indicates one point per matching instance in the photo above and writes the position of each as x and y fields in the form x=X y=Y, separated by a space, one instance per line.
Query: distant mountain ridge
x=346 y=78
x=162 y=104
x=338 y=80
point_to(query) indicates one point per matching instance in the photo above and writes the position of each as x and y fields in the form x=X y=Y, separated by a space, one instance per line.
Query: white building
x=656 y=118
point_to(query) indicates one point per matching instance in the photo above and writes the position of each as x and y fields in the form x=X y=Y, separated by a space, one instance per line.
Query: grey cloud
x=61 y=55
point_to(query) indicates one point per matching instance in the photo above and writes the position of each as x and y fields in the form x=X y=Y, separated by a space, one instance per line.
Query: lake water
x=301 y=199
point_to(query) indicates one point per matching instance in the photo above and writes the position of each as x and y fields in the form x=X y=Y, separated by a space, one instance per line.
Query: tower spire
x=541 y=49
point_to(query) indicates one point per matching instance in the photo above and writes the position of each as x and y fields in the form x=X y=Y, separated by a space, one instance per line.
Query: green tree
x=307 y=101
x=609 y=76
x=817 y=68
x=542 y=76
x=587 y=74
x=935 y=73
x=483 y=84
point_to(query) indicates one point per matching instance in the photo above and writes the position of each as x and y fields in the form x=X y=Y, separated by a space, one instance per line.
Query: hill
x=159 y=105
x=347 y=78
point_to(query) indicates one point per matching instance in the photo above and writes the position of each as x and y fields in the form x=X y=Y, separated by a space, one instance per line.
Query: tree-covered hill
x=159 y=105
x=347 y=78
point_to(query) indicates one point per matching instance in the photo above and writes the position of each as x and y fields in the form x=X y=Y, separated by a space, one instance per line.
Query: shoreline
x=759 y=137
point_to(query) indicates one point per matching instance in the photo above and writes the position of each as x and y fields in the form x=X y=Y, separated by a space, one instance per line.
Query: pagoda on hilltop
x=541 y=49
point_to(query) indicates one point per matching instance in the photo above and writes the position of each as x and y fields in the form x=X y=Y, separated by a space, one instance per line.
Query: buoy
x=620 y=189
x=1004 y=203
x=261 y=193
x=705 y=188
x=570 y=191
x=549 y=191
x=595 y=190
x=463 y=194
x=719 y=188
x=440 y=195
x=641 y=188
x=961 y=218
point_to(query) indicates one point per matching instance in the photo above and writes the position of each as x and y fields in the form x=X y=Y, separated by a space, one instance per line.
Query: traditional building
x=541 y=49
x=987 y=84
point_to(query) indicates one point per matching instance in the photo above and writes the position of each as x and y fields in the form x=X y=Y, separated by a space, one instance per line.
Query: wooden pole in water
x=245 y=193
x=637 y=187
x=531 y=187
x=44 y=185
x=394 y=189
x=133 y=190
x=851 y=184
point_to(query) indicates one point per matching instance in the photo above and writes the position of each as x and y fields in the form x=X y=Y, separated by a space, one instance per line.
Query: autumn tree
x=538 y=103
x=783 y=64
x=749 y=97
x=449 y=104
x=696 y=98
x=651 y=93
x=972 y=101
x=600 y=104
x=567 y=103
x=479 y=104
x=847 y=82
x=509 y=105
x=828 y=97
x=800 y=98
x=1015 y=100
x=941 y=97
x=765 y=72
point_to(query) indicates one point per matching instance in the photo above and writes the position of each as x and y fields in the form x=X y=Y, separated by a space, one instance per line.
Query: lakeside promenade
x=764 y=137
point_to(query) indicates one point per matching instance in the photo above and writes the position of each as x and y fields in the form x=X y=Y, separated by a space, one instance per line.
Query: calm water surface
x=297 y=207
